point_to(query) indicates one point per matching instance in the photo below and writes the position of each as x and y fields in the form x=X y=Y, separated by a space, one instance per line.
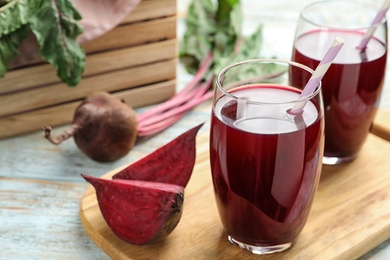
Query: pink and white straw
x=317 y=76
x=370 y=32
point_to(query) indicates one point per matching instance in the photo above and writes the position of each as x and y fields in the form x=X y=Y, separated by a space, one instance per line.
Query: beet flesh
x=103 y=127
x=172 y=163
x=139 y=212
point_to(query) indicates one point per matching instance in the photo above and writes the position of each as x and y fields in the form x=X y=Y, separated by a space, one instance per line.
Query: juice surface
x=351 y=87
x=264 y=180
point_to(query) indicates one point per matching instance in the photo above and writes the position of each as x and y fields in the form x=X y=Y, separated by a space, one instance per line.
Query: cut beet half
x=172 y=163
x=139 y=212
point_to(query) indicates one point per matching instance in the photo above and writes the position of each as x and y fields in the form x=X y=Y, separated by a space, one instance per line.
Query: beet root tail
x=62 y=137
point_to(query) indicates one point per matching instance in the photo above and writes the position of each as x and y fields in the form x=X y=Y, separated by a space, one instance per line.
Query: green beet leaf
x=16 y=13
x=9 y=47
x=249 y=49
x=56 y=29
x=14 y=16
x=216 y=30
x=225 y=10
x=198 y=39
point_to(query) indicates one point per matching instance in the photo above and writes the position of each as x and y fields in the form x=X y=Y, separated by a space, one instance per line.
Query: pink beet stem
x=173 y=115
x=155 y=128
x=177 y=99
x=177 y=114
x=178 y=110
x=198 y=76
x=198 y=91
x=197 y=95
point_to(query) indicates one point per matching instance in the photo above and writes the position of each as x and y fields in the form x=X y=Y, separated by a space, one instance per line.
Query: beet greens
x=55 y=24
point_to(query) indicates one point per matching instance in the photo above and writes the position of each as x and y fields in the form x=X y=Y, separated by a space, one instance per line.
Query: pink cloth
x=100 y=16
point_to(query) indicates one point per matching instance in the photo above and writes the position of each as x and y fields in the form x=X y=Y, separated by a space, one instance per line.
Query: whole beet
x=103 y=127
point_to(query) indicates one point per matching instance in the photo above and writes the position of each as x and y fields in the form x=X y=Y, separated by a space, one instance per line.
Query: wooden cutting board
x=350 y=215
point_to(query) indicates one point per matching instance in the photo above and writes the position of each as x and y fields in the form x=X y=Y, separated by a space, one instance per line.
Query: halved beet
x=172 y=163
x=139 y=212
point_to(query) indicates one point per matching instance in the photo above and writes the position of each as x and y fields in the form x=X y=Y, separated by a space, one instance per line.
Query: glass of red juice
x=352 y=86
x=265 y=162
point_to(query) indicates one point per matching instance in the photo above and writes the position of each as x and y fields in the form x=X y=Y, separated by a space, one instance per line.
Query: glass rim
x=374 y=7
x=287 y=62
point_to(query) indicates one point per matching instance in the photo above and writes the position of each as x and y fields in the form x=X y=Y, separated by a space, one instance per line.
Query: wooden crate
x=136 y=61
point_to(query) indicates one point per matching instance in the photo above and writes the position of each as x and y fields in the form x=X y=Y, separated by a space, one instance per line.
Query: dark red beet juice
x=351 y=87
x=265 y=167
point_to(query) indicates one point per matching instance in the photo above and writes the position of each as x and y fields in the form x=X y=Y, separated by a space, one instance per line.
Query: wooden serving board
x=350 y=215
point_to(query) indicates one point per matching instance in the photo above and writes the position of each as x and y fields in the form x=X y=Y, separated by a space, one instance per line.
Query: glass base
x=333 y=160
x=261 y=250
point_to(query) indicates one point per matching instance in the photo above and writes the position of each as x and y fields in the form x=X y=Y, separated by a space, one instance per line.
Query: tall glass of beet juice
x=265 y=162
x=352 y=86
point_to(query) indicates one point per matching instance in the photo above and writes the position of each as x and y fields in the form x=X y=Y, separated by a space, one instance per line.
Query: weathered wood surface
x=39 y=220
x=40 y=185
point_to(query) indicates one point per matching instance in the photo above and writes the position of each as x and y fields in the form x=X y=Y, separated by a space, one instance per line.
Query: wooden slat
x=113 y=81
x=151 y=9
x=381 y=125
x=45 y=74
x=62 y=114
x=134 y=34
x=124 y=36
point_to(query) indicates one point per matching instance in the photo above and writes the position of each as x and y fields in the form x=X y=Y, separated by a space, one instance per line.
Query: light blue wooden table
x=40 y=184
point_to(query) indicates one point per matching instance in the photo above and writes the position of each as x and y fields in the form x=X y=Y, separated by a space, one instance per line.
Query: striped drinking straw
x=318 y=74
x=370 y=32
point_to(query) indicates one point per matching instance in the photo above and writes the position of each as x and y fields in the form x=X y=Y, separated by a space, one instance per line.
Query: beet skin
x=104 y=128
